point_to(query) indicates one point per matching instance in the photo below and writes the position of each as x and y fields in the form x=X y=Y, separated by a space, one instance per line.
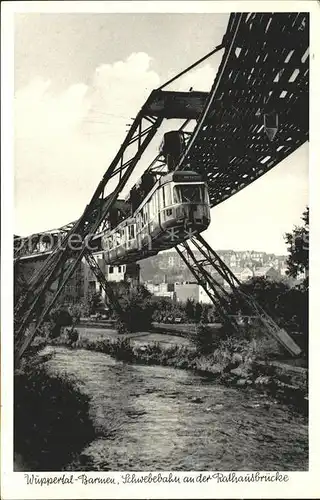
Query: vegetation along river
x=158 y=418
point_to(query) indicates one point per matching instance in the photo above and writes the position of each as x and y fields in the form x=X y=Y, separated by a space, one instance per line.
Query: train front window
x=188 y=193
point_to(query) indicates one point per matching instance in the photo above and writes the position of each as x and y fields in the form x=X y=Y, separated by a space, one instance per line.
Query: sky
x=81 y=78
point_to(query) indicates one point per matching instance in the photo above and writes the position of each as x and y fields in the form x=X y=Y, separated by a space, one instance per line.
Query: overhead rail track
x=258 y=77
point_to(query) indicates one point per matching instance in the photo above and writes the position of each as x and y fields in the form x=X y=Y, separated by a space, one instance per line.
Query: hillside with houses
x=166 y=275
x=168 y=267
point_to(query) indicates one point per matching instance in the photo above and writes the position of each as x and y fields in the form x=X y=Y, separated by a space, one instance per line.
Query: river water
x=159 y=418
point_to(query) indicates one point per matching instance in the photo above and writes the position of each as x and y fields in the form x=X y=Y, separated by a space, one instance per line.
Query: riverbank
x=235 y=363
x=160 y=418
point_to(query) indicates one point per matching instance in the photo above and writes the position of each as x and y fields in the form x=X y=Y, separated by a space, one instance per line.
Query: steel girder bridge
x=255 y=115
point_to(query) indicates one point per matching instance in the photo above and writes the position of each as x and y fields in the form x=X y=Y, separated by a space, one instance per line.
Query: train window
x=161 y=198
x=139 y=220
x=110 y=269
x=119 y=269
x=131 y=232
x=160 y=202
x=156 y=208
x=118 y=240
x=152 y=210
x=145 y=215
x=155 y=203
x=186 y=193
x=168 y=194
x=164 y=197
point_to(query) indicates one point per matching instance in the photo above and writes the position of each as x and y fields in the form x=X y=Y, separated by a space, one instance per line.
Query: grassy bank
x=52 y=422
x=233 y=362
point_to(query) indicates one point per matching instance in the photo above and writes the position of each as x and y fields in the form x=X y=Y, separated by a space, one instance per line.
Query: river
x=159 y=418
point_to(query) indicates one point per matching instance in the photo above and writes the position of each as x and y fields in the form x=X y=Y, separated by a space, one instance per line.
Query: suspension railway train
x=174 y=209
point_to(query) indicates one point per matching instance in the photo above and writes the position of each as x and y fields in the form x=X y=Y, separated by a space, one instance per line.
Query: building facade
x=192 y=291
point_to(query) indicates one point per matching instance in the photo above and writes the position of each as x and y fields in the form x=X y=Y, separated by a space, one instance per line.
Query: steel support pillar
x=213 y=274
x=29 y=306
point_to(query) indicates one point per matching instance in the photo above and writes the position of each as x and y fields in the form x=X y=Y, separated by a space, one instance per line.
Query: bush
x=287 y=306
x=121 y=349
x=51 y=418
x=94 y=302
x=136 y=308
x=76 y=311
x=122 y=327
x=166 y=310
x=234 y=345
x=205 y=313
x=203 y=339
x=72 y=335
x=59 y=318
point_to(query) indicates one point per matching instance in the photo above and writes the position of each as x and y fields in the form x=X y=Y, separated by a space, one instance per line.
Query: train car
x=176 y=208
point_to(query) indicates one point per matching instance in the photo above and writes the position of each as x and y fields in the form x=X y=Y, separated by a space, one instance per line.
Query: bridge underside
x=172 y=104
x=261 y=82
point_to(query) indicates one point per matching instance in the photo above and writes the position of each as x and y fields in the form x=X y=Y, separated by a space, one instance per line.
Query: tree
x=298 y=241
x=295 y=308
x=190 y=309
x=287 y=305
x=265 y=292
x=198 y=312
x=205 y=313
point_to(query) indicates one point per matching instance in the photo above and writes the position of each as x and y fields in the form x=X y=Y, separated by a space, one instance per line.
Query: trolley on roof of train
x=176 y=207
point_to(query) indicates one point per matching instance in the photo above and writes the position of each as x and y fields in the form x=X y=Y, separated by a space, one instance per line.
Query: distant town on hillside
x=168 y=267
x=166 y=275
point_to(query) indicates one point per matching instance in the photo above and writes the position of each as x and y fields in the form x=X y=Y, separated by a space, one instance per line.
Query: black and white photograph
x=160 y=246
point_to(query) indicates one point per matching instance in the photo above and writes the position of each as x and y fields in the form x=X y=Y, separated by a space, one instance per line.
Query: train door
x=167 y=214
